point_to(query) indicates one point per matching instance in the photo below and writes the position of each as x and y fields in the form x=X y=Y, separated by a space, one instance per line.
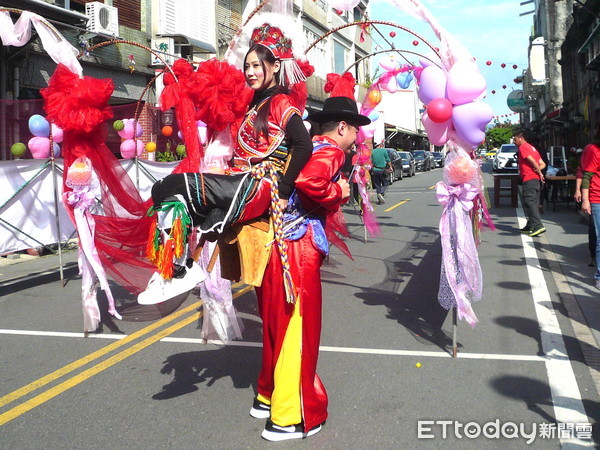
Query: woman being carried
x=272 y=147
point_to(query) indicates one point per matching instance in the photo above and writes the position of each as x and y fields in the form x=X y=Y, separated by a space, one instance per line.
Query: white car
x=506 y=159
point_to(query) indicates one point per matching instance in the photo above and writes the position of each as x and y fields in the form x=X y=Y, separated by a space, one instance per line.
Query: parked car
x=422 y=161
x=439 y=159
x=396 y=174
x=506 y=159
x=431 y=160
x=408 y=163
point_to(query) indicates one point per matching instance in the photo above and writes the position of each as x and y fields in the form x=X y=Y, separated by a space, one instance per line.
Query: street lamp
x=167 y=117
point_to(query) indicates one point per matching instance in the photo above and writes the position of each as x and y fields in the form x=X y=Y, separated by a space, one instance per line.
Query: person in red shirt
x=590 y=189
x=531 y=165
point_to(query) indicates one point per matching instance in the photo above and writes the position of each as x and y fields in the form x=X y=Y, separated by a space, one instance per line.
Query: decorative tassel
x=153 y=243
x=259 y=171
x=165 y=262
x=178 y=237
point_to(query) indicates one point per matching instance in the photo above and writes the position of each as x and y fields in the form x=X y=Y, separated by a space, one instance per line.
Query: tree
x=499 y=133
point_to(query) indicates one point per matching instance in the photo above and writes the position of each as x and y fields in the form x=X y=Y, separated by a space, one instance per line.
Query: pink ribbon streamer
x=368 y=211
x=461 y=281
x=82 y=199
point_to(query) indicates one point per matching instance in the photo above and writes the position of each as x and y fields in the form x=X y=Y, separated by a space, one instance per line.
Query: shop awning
x=196 y=45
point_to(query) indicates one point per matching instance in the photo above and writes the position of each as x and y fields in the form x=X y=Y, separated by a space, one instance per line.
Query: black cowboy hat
x=340 y=108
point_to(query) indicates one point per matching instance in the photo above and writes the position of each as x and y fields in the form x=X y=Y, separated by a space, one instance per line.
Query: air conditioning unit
x=103 y=19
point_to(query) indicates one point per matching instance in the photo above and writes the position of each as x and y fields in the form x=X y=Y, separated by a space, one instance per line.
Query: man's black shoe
x=276 y=433
x=260 y=410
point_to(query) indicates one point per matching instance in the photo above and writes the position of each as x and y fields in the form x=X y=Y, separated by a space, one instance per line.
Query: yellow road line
x=397 y=204
x=88 y=373
x=433 y=187
x=53 y=392
x=92 y=356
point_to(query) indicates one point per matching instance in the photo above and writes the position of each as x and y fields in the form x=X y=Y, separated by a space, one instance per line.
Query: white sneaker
x=160 y=290
x=275 y=433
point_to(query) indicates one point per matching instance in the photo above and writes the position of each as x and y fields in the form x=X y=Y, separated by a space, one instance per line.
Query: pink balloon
x=470 y=121
x=388 y=63
x=129 y=147
x=202 y=134
x=392 y=85
x=438 y=133
x=57 y=133
x=127 y=132
x=432 y=84
x=368 y=130
x=465 y=83
x=439 y=110
x=40 y=147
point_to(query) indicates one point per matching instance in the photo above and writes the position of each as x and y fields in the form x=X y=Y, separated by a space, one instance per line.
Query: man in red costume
x=290 y=393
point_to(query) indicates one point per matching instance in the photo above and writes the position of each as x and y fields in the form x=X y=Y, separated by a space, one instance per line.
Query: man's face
x=348 y=135
x=518 y=140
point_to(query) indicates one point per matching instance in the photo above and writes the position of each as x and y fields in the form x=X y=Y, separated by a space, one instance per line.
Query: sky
x=491 y=30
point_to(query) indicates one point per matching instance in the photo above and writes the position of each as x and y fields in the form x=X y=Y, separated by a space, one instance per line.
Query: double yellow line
x=88 y=373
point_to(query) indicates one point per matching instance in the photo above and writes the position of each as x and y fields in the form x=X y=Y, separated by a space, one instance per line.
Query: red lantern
x=339 y=12
x=493 y=92
x=488 y=63
x=415 y=42
x=392 y=34
x=514 y=66
x=503 y=86
x=503 y=65
x=439 y=110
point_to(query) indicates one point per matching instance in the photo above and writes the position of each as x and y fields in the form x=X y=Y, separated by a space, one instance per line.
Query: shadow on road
x=241 y=364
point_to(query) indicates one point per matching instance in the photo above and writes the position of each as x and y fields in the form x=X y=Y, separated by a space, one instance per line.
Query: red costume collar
x=320 y=137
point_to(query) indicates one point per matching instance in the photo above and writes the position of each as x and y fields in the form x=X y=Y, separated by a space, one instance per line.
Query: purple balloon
x=470 y=121
x=432 y=84
x=465 y=83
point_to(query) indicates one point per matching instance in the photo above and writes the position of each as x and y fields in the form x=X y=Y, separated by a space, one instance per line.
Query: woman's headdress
x=287 y=47
x=273 y=38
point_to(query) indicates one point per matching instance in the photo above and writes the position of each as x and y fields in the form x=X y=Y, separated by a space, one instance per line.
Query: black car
x=422 y=161
x=396 y=160
x=408 y=163
x=439 y=159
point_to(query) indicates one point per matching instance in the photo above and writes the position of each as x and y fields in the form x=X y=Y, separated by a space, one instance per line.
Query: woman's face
x=256 y=77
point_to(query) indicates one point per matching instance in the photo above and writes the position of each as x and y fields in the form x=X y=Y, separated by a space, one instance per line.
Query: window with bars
x=317 y=55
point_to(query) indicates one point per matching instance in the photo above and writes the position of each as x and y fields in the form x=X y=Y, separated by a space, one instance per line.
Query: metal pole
x=454 y=332
x=55 y=186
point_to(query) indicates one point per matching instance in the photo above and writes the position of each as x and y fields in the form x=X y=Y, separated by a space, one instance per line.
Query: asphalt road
x=384 y=362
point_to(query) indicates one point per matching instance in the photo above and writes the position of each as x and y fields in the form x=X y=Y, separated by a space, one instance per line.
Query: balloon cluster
x=452 y=102
x=394 y=77
x=39 y=144
x=129 y=130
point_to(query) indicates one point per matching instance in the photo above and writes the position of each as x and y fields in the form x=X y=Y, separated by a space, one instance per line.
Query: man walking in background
x=381 y=161
x=531 y=165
